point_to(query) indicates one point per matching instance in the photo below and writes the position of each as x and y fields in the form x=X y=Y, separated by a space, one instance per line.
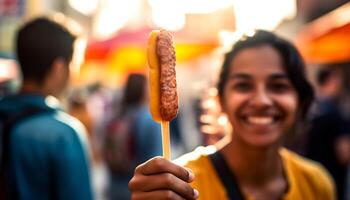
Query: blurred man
x=44 y=150
x=328 y=138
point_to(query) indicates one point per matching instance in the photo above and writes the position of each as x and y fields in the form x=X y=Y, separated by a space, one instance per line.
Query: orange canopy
x=327 y=39
x=187 y=47
x=111 y=60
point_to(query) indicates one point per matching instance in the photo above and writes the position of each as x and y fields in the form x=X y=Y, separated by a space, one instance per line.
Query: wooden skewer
x=166 y=139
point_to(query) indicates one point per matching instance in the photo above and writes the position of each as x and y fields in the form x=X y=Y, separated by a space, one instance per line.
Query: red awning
x=187 y=46
x=124 y=53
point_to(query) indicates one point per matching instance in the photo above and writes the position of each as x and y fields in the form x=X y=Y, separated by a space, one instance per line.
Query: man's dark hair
x=323 y=75
x=293 y=65
x=38 y=43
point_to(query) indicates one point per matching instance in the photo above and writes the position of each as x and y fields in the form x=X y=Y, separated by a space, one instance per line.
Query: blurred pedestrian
x=328 y=137
x=45 y=153
x=132 y=136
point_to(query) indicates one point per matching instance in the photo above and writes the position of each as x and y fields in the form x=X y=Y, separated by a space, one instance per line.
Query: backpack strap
x=8 y=123
x=226 y=176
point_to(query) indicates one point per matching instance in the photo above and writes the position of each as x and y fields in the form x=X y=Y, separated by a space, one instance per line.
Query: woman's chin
x=261 y=140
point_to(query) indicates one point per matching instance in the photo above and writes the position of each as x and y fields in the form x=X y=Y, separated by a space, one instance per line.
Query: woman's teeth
x=260 y=120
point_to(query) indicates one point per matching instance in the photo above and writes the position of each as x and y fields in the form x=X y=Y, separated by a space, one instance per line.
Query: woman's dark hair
x=293 y=65
x=134 y=91
x=38 y=43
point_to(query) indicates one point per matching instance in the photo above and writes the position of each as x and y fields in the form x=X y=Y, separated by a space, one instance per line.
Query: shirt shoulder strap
x=226 y=176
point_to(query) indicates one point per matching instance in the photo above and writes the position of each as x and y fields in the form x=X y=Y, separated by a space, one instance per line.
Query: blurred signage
x=8 y=70
x=11 y=8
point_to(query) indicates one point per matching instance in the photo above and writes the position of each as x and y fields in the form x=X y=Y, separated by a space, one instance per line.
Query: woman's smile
x=264 y=120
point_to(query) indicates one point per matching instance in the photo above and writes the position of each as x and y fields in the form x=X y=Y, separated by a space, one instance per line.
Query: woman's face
x=259 y=99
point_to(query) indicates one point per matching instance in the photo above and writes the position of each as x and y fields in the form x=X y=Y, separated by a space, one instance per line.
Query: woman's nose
x=260 y=97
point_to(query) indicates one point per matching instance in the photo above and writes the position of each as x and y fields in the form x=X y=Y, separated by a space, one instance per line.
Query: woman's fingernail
x=190 y=175
x=195 y=193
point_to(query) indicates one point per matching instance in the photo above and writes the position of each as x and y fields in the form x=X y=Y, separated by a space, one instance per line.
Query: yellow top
x=306 y=179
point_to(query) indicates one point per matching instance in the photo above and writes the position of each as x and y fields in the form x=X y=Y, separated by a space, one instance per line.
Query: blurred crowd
x=88 y=145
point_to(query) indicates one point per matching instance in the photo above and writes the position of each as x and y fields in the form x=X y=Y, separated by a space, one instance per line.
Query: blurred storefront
x=326 y=39
x=324 y=43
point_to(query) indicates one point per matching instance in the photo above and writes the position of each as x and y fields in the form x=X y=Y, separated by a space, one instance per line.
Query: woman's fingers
x=164 y=181
x=159 y=178
x=160 y=165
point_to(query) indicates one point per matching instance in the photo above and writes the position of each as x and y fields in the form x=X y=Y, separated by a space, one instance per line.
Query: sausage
x=163 y=88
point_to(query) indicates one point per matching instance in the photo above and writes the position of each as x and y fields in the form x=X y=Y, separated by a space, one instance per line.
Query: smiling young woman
x=264 y=91
x=261 y=104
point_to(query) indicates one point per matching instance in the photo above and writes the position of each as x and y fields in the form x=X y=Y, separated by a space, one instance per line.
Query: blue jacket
x=148 y=135
x=49 y=155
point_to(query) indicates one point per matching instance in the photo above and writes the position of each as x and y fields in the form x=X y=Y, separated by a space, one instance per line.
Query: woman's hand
x=159 y=178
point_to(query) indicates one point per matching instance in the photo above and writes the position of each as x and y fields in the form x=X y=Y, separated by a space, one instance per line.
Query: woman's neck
x=253 y=166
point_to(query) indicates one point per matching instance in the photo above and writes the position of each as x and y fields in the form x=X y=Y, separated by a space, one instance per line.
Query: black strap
x=226 y=176
x=7 y=124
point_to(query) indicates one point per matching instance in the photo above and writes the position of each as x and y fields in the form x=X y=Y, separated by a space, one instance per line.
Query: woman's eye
x=242 y=87
x=280 y=87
